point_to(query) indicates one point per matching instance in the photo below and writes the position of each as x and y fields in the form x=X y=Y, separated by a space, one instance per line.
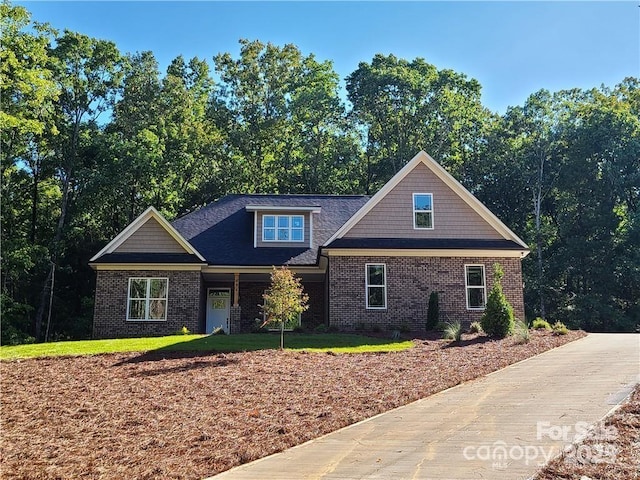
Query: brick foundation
x=410 y=280
x=110 y=312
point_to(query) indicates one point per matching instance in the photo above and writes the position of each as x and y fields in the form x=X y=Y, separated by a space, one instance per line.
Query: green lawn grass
x=334 y=342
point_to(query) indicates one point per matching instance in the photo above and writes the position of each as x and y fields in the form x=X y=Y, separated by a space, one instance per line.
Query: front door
x=218 y=303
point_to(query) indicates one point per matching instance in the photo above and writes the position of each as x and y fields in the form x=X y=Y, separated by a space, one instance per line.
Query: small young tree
x=498 y=319
x=433 y=311
x=284 y=300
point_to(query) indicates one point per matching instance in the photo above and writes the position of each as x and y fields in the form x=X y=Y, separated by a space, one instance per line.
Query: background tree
x=403 y=107
x=87 y=73
x=285 y=121
x=285 y=299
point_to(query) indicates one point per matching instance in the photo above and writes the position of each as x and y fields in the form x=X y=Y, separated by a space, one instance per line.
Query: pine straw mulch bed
x=611 y=451
x=187 y=416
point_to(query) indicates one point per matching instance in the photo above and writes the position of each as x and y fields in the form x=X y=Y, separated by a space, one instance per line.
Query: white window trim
x=147 y=300
x=290 y=228
x=413 y=207
x=467 y=286
x=366 y=286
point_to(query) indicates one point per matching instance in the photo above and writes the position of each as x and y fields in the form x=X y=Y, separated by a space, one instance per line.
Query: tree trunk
x=47 y=288
x=537 y=205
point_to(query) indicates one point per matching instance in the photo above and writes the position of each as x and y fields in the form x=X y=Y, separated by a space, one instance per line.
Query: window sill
x=146 y=320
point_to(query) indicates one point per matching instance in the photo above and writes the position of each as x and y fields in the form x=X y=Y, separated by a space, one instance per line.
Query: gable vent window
x=147 y=299
x=423 y=211
x=283 y=228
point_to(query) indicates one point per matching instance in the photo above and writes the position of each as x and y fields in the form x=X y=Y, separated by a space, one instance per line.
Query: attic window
x=423 y=211
x=283 y=228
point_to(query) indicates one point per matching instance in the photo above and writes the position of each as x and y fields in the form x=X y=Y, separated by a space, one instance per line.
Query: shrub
x=404 y=327
x=560 y=328
x=540 y=324
x=475 y=327
x=433 y=311
x=521 y=332
x=322 y=328
x=453 y=331
x=441 y=326
x=183 y=331
x=497 y=320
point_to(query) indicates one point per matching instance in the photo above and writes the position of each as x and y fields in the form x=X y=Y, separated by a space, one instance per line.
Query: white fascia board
x=181 y=267
x=136 y=224
x=282 y=208
x=259 y=269
x=391 y=252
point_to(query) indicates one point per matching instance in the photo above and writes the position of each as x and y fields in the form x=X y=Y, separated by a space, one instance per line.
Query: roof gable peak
x=423 y=158
x=149 y=213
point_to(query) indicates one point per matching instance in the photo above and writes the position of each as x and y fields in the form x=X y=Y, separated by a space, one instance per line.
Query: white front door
x=218 y=303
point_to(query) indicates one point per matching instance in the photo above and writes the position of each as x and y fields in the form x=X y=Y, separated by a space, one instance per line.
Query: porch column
x=236 y=321
x=236 y=289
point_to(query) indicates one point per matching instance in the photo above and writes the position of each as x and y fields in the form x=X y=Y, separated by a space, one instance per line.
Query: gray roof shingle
x=223 y=231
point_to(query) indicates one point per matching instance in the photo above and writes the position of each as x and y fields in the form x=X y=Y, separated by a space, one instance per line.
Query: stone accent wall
x=184 y=302
x=410 y=280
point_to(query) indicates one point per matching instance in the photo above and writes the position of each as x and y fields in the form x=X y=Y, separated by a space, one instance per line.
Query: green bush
x=560 y=328
x=453 y=331
x=521 y=332
x=441 y=326
x=15 y=322
x=498 y=319
x=433 y=311
x=540 y=324
x=475 y=327
x=322 y=328
x=183 y=331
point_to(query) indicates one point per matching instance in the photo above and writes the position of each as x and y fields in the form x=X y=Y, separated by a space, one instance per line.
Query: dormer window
x=283 y=228
x=423 y=211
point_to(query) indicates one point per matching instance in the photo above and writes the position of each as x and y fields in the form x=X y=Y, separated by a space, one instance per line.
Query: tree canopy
x=91 y=136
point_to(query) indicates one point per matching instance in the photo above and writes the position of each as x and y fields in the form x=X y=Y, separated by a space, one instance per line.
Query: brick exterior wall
x=184 y=302
x=410 y=280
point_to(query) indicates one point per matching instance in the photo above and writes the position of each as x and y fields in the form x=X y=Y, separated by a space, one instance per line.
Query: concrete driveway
x=502 y=426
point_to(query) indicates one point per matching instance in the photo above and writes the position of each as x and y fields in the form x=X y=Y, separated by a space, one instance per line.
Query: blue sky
x=512 y=48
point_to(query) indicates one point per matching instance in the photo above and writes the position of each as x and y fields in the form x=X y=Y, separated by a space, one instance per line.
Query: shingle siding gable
x=151 y=237
x=392 y=217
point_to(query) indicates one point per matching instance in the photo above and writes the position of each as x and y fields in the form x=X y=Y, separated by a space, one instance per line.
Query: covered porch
x=232 y=297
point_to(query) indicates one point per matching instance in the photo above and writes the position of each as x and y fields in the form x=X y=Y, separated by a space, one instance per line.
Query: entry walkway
x=502 y=426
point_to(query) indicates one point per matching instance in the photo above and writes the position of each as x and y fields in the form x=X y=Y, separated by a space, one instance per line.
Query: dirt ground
x=188 y=416
x=611 y=451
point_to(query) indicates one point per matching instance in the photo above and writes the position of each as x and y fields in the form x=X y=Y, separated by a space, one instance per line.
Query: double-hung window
x=423 y=211
x=376 y=285
x=475 y=286
x=283 y=228
x=147 y=299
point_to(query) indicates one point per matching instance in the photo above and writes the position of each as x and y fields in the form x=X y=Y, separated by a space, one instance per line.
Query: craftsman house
x=364 y=262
